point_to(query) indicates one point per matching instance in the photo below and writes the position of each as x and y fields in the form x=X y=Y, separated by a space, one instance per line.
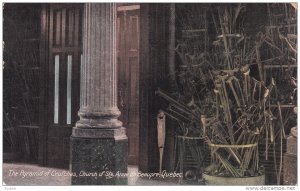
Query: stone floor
x=23 y=179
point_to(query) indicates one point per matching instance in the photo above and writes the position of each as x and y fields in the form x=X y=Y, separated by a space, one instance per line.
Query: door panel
x=64 y=80
x=128 y=75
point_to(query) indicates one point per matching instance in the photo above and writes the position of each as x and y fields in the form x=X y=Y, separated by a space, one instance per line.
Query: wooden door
x=128 y=75
x=64 y=79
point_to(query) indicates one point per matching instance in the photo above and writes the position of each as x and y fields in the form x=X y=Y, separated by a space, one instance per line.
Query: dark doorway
x=62 y=62
x=128 y=75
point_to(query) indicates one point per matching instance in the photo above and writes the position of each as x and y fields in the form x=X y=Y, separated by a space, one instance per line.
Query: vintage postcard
x=150 y=94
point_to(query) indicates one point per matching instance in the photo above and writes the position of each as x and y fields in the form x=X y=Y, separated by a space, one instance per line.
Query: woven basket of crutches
x=234 y=160
x=243 y=117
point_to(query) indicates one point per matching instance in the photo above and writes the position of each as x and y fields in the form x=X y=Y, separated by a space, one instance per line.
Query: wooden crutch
x=161 y=133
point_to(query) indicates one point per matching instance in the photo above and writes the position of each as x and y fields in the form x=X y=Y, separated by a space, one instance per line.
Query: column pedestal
x=104 y=156
x=290 y=162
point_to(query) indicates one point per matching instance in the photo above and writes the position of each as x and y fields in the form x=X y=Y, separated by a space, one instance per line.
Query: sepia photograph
x=150 y=94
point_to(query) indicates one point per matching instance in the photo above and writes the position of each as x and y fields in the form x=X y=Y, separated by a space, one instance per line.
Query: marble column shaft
x=98 y=97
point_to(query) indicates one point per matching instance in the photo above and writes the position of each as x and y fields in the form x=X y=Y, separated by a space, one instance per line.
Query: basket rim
x=232 y=146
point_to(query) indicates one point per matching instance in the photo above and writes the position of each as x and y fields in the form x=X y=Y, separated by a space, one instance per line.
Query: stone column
x=98 y=141
x=290 y=159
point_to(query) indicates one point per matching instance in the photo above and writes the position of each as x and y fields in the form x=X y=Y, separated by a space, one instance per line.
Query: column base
x=289 y=169
x=98 y=161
